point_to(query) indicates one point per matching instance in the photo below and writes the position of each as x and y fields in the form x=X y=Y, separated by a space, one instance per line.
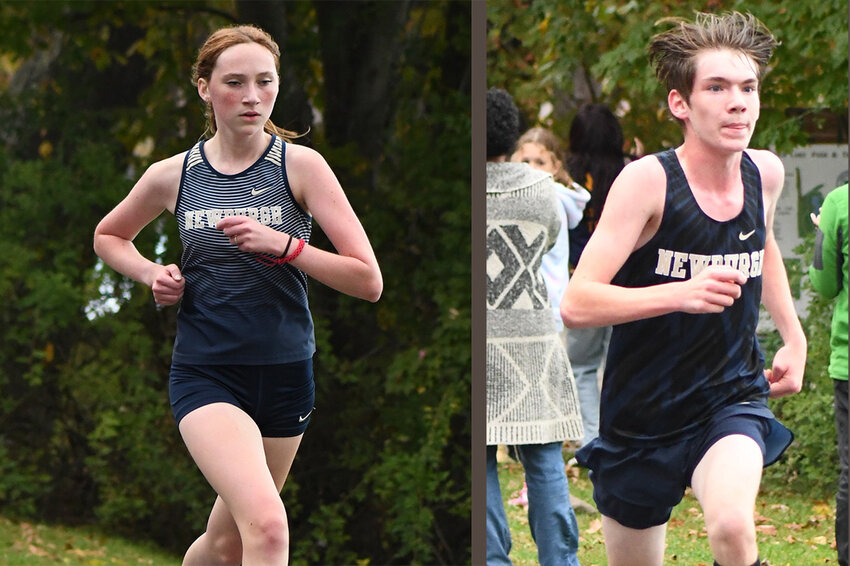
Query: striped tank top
x=235 y=309
x=666 y=375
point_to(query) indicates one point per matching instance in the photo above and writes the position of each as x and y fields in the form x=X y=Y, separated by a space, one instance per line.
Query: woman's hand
x=250 y=236
x=167 y=285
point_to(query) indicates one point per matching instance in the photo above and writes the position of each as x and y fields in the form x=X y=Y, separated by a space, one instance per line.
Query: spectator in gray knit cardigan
x=531 y=395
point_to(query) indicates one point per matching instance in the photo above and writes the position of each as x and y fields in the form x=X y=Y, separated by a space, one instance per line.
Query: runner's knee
x=227 y=548
x=267 y=532
x=731 y=529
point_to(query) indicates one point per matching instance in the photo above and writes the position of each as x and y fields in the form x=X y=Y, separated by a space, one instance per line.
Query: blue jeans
x=586 y=349
x=550 y=516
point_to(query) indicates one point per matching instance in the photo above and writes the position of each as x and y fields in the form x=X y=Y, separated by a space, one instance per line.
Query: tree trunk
x=292 y=109
x=361 y=44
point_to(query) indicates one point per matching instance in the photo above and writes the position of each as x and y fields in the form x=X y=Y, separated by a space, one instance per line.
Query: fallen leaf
x=82 y=553
x=594 y=526
x=766 y=529
x=38 y=551
x=822 y=508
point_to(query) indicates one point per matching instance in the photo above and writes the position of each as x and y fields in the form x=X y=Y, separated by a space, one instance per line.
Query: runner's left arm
x=789 y=363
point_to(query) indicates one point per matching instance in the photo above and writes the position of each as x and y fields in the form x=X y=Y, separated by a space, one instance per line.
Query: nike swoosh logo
x=305 y=417
x=255 y=192
x=742 y=236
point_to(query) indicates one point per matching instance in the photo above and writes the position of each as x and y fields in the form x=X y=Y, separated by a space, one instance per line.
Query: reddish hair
x=215 y=44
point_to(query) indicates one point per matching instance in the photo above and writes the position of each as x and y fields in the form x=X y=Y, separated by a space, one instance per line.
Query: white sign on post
x=811 y=172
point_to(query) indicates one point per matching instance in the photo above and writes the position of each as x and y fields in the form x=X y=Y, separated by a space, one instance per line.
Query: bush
x=811 y=463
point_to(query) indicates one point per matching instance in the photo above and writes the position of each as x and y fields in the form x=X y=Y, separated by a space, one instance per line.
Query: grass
x=28 y=544
x=792 y=529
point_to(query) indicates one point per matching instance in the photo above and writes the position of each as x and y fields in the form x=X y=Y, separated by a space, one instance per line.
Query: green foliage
x=45 y=231
x=576 y=51
x=20 y=484
x=91 y=95
x=811 y=463
x=408 y=359
x=135 y=458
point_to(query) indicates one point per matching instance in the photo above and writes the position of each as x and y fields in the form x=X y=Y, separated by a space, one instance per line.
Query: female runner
x=241 y=382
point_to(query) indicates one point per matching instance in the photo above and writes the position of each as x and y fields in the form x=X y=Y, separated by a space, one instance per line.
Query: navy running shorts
x=638 y=486
x=278 y=397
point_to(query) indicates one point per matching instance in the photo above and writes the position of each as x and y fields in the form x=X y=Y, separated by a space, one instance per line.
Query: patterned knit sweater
x=531 y=394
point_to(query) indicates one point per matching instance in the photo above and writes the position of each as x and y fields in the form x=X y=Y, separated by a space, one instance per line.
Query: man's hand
x=786 y=376
x=712 y=290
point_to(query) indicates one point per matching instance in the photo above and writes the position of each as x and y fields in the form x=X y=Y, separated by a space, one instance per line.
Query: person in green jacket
x=828 y=274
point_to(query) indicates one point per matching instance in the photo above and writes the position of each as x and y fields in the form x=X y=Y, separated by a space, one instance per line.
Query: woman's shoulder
x=169 y=164
x=301 y=156
x=304 y=166
x=163 y=177
x=511 y=176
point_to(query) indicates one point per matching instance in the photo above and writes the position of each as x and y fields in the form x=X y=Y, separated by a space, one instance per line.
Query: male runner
x=681 y=258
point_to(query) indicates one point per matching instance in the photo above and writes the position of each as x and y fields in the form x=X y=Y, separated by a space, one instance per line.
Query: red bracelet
x=267 y=260
x=294 y=254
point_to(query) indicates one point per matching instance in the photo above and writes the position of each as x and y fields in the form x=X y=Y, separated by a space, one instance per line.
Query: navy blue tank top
x=666 y=375
x=235 y=309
